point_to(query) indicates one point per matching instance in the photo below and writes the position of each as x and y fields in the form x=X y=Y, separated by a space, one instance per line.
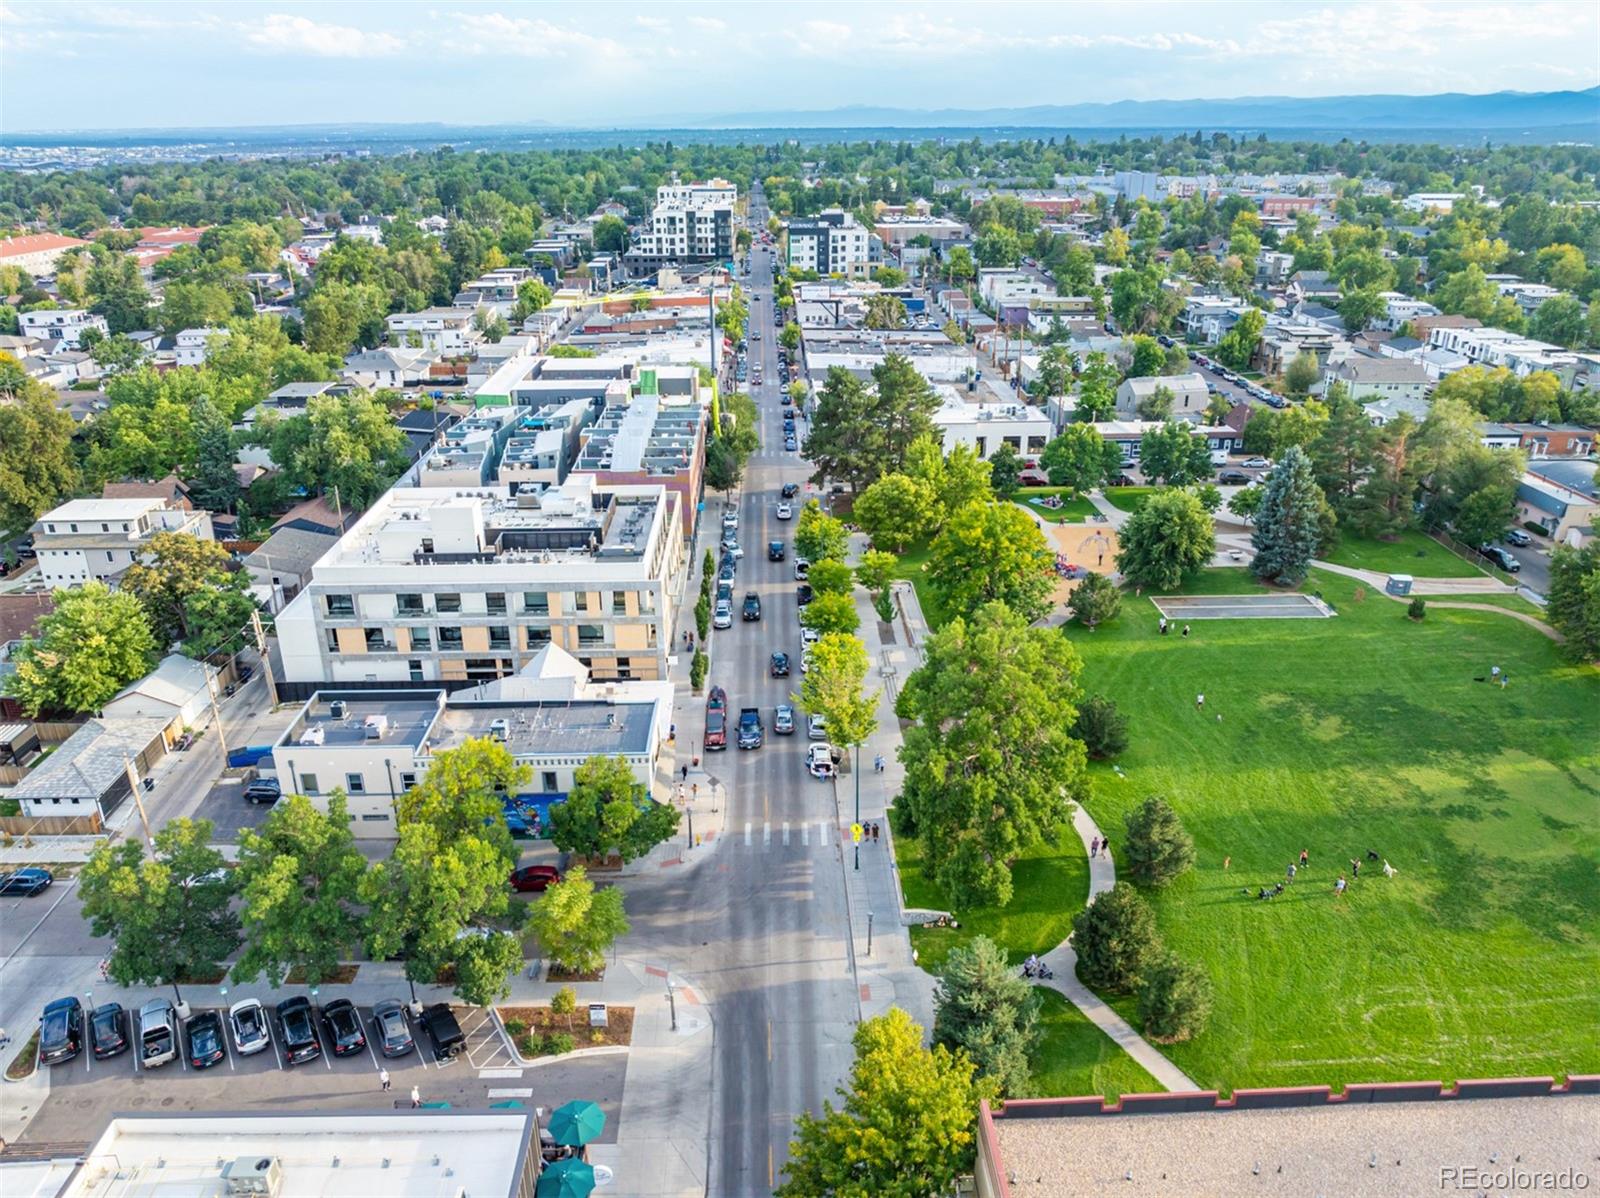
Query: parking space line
x=324 y=1051
x=273 y=1038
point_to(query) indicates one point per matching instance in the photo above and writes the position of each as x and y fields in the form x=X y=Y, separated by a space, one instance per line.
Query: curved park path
x=1063 y=962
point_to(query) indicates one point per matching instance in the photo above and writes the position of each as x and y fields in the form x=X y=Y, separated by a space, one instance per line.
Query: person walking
x=1338 y=887
x=877 y=830
x=416 y=1098
x=1185 y=630
x=1494 y=673
x=1094 y=846
x=1226 y=861
x=1199 y=702
x=1355 y=868
x=1163 y=625
x=383 y=1078
x=1291 y=871
x=1305 y=858
x=1105 y=848
x=685 y=771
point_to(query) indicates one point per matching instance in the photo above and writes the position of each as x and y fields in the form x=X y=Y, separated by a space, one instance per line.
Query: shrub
x=1101 y=727
x=1095 y=600
x=1155 y=846
x=515 y=1027
x=699 y=667
x=885 y=605
x=708 y=572
x=557 y=1043
x=1115 y=938
x=531 y=1045
x=1417 y=608
x=564 y=1002
x=702 y=617
x=597 y=1036
x=1175 y=1000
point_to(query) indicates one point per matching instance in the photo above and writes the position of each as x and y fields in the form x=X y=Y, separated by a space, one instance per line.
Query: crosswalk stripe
x=822 y=831
x=766 y=832
x=785 y=831
x=747 y=833
x=805 y=833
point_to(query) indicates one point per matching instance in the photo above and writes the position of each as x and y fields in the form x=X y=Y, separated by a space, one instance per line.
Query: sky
x=151 y=65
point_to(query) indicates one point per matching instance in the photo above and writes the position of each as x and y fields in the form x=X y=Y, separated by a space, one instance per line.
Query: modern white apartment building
x=191 y=346
x=691 y=222
x=1497 y=347
x=95 y=540
x=830 y=243
x=987 y=426
x=60 y=328
x=468 y=585
x=446 y=331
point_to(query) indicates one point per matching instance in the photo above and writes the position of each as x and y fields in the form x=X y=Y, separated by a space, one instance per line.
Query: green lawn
x=1413 y=553
x=910 y=568
x=1052 y=882
x=1073 y=510
x=1369 y=731
x=1129 y=499
x=1074 y=1057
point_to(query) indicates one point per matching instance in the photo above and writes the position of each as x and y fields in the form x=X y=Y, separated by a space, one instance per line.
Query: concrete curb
x=604 y=1050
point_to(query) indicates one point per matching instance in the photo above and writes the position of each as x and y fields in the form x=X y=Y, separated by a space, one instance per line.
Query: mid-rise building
x=691 y=222
x=985 y=427
x=831 y=243
x=467 y=585
x=446 y=331
x=96 y=540
x=36 y=253
x=191 y=346
x=60 y=328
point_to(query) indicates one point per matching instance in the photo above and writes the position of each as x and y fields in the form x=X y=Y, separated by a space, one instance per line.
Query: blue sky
x=138 y=65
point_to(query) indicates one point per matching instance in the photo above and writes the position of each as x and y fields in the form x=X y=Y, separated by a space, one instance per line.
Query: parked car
x=1255 y=463
x=204 y=1033
x=439 y=1021
x=60 y=1031
x=802 y=568
x=821 y=761
x=789 y=490
x=783 y=720
x=534 y=878
x=108 y=1030
x=297 y=1031
x=263 y=790
x=752 y=608
x=723 y=616
x=27 y=882
x=803 y=593
x=716 y=719
x=342 y=1022
x=785 y=512
x=1515 y=536
x=790 y=444
x=389 y=1025
x=1234 y=478
x=158 y=1033
x=780 y=665
x=1500 y=558
x=816 y=727
x=249 y=1023
x=730 y=546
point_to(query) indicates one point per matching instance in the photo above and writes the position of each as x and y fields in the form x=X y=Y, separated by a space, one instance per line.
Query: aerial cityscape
x=875 y=601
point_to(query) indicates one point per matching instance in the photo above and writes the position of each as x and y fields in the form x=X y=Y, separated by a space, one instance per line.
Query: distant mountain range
x=1518 y=111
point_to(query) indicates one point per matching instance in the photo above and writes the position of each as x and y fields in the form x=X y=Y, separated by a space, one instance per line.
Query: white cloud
x=301 y=35
x=708 y=24
x=655 y=24
x=524 y=37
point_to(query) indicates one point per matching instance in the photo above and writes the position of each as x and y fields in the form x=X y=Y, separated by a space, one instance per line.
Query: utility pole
x=266 y=658
x=857 y=773
x=138 y=799
x=216 y=715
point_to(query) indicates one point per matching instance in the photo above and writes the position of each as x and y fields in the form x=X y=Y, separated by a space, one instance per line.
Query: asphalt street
x=764 y=929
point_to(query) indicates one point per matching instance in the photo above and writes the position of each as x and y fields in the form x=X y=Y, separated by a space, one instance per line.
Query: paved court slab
x=1242 y=607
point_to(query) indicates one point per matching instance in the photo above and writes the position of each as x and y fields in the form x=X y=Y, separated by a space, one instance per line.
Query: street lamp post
x=857 y=772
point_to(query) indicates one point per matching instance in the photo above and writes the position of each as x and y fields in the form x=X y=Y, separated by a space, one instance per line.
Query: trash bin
x=1399 y=584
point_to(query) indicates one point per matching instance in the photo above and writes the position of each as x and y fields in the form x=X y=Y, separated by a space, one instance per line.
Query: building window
x=447 y=603
x=375 y=817
x=341 y=605
x=410 y=605
x=355 y=784
x=497 y=604
x=427 y=544
x=407 y=780
x=538 y=638
x=591 y=634
x=376 y=642
x=619 y=603
x=333 y=641
x=308 y=784
x=550 y=782
x=449 y=638
x=499 y=637
x=414 y=666
x=421 y=638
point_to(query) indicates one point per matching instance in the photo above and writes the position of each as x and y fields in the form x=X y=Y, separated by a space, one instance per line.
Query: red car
x=534 y=877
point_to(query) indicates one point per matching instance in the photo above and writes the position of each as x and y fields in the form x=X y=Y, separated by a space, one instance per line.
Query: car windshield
x=203 y=1036
x=105 y=1024
x=55 y=1026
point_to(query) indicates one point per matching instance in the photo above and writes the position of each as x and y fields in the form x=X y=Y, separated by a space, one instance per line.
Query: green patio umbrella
x=570 y=1178
x=576 y=1124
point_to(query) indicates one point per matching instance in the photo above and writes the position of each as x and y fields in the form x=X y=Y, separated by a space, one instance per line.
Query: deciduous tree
x=1174 y=454
x=1095 y=600
x=88 y=648
x=818 y=535
x=1166 y=541
x=37 y=466
x=576 y=923
x=1574 y=599
x=1080 y=458
x=834 y=613
x=175 y=566
x=992 y=551
x=608 y=810
x=895 y=511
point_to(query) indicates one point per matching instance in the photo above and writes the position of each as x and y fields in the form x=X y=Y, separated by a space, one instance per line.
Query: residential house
x=59 y=329
x=318 y=514
x=1555 y=440
x=444 y=331
x=1312 y=286
x=1497 y=347
x=1383 y=411
x=1400 y=308
x=98 y=539
x=171 y=490
x=281 y=566
x=985 y=427
x=1561 y=497
x=1126 y=435
x=392 y=367
x=1498 y=436
x=1366 y=378
x=36 y=253
x=193 y=345
x=1190 y=395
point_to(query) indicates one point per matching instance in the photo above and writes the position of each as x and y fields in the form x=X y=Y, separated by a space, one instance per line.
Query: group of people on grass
x=1266 y=893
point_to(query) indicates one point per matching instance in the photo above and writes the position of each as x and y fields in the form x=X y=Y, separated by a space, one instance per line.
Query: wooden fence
x=50 y=825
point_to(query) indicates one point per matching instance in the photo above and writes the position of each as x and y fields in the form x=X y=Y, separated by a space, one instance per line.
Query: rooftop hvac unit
x=253 y=1177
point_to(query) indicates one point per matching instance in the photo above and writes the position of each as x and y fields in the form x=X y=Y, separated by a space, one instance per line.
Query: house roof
x=1573 y=475
x=92 y=760
x=170 y=488
x=1381 y=370
x=176 y=681
x=1178 y=384
x=388 y=359
x=292 y=550
x=315 y=513
x=1397 y=405
x=19 y=612
x=35 y=243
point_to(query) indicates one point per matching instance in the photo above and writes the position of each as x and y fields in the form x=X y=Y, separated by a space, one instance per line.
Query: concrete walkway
x=1063 y=962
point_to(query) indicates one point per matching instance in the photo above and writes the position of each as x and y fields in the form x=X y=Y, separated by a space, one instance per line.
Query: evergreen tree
x=1095 y=600
x=1155 y=846
x=1101 y=727
x=1174 y=1001
x=214 y=486
x=1288 y=529
x=1115 y=939
x=985 y=1008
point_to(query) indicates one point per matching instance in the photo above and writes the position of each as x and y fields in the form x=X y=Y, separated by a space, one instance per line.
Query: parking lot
x=225 y=807
x=85 y=1093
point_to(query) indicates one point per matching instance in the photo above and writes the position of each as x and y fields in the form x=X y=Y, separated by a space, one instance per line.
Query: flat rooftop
x=1351 y=1148
x=406 y=719
x=410 y=1154
x=534 y=729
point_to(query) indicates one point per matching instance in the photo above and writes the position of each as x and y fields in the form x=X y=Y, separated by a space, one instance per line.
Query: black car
x=444 y=1030
x=343 y=1025
x=752 y=607
x=108 y=1030
x=803 y=593
x=390 y=1026
x=780 y=665
x=205 y=1040
x=775 y=551
x=297 y=1031
x=1234 y=478
x=790 y=490
x=26 y=882
x=263 y=790
x=61 y=1031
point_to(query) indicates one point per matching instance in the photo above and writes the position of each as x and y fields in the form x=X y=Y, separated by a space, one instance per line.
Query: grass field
x=910 y=568
x=1074 y=1057
x=1413 y=553
x=1369 y=731
x=1129 y=499
x=1073 y=510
